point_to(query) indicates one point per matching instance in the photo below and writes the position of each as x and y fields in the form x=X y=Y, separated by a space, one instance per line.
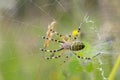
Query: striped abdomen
x=76 y=46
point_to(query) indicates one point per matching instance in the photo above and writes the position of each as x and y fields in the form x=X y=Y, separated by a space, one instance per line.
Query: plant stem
x=117 y=64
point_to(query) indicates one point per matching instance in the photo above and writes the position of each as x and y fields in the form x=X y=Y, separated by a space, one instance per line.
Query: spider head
x=65 y=38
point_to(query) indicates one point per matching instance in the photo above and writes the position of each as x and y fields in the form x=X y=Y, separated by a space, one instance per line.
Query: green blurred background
x=23 y=22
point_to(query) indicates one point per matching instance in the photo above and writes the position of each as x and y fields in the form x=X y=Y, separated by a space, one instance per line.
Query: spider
x=68 y=42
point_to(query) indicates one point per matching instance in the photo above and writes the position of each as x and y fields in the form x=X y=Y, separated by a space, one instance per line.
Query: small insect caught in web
x=68 y=42
x=49 y=34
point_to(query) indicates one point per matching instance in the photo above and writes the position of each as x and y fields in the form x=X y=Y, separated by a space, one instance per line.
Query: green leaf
x=89 y=67
x=75 y=66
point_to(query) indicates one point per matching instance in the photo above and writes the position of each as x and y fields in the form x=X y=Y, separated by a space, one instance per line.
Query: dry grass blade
x=49 y=34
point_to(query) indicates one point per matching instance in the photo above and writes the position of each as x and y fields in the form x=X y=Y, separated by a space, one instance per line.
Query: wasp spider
x=67 y=42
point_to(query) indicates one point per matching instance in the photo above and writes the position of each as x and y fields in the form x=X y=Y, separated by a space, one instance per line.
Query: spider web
x=12 y=17
x=24 y=21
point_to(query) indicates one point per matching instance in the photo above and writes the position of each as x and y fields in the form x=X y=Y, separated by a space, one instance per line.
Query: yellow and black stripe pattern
x=60 y=35
x=53 y=57
x=76 y=46
x=54 y=40
x=52 y=51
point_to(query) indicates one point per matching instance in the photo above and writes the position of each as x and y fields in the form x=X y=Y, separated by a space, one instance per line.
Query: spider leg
x=81 y=57
x=56 y=57
x=96 y=55
x=87 y=58
x=52 y=51
x=53 y=57
x=54 y=40
x=79 y=29
x=60 y=35
x=66 y=59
